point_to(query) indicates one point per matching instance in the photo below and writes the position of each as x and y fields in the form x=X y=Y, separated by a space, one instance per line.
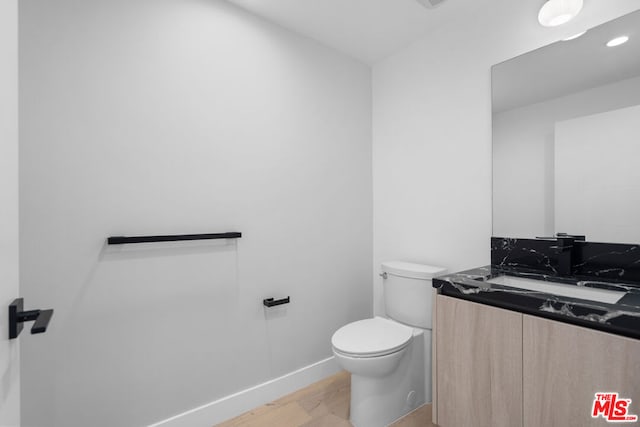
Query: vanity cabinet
x=478 y=379
x=495 y=367
x=565 y=365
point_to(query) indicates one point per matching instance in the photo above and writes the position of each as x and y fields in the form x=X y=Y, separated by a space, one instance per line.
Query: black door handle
x=17 y=316
x=42 y=321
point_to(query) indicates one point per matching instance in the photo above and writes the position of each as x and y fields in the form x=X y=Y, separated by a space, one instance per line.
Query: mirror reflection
x=566 y=137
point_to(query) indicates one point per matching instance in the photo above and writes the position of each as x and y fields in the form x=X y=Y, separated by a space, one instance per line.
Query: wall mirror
x=566 y=138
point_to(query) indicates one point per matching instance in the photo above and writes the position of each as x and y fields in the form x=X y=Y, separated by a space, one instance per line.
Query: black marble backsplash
x=605 y=261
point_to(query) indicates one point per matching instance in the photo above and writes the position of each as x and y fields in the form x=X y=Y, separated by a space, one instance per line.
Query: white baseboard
x=245 y=400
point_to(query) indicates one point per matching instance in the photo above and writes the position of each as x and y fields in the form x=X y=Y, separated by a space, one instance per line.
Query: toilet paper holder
x=270 y=302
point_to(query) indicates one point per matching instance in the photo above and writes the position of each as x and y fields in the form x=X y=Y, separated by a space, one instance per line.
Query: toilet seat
x=371 y=338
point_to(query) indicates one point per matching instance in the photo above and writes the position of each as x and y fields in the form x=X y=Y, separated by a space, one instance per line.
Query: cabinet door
x=479 y=372
x=565 y=365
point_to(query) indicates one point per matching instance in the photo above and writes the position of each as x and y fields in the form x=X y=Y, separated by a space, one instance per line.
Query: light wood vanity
x=494 y=367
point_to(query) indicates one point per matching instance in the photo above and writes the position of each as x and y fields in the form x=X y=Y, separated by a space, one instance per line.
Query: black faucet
x=566 y=251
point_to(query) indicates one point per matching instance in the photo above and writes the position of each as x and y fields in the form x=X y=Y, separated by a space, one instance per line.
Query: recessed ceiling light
x=617 y=41
x=575 y=36
x=558 y=12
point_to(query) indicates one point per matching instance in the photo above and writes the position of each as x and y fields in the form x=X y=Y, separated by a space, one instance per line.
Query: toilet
x=389 y=358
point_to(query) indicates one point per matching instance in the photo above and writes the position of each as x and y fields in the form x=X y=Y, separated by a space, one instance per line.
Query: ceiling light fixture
x=575 y=36
x=617 y=41
x=558 y=12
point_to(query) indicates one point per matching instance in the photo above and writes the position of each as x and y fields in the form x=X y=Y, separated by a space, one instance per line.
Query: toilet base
x=379 y=401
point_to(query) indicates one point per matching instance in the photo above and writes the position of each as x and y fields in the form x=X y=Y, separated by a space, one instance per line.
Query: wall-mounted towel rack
x=123 y=240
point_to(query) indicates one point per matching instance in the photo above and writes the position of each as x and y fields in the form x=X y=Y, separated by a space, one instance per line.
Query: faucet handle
x=576 y=237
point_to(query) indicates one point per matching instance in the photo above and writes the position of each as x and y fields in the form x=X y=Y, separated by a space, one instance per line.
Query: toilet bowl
x=371 y=347
x=387 y=374
x=390 y=358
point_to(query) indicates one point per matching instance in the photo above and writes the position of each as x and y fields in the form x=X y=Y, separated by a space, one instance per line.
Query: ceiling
x=567 y=67
x=368 y=30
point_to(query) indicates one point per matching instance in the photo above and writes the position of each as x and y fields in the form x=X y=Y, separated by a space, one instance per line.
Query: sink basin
x=561 y=289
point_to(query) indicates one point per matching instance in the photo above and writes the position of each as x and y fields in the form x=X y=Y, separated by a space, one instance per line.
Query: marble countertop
x=621 y=318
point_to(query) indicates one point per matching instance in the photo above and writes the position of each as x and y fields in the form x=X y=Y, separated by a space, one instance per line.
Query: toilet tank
x=407 y=292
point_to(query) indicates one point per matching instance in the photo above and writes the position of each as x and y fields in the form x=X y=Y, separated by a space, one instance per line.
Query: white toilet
x=390 y=358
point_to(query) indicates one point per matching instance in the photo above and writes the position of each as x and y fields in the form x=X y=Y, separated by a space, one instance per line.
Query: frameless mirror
x=566 y=138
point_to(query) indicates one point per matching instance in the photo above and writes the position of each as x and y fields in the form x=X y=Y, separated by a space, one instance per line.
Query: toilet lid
x=371 y=337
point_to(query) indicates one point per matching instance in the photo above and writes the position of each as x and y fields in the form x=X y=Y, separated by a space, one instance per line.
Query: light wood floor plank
x=322 y=404
x=421 y=417
x=328 y=420
x=272 y=415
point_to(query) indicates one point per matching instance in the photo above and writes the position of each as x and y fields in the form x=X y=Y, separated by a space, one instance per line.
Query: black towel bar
x=122 y=240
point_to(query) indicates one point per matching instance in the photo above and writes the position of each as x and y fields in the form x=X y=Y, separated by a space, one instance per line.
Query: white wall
x=9 y=350
x=432 y=131
x=597 y=175
x=523 y=157
x=177 y=116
